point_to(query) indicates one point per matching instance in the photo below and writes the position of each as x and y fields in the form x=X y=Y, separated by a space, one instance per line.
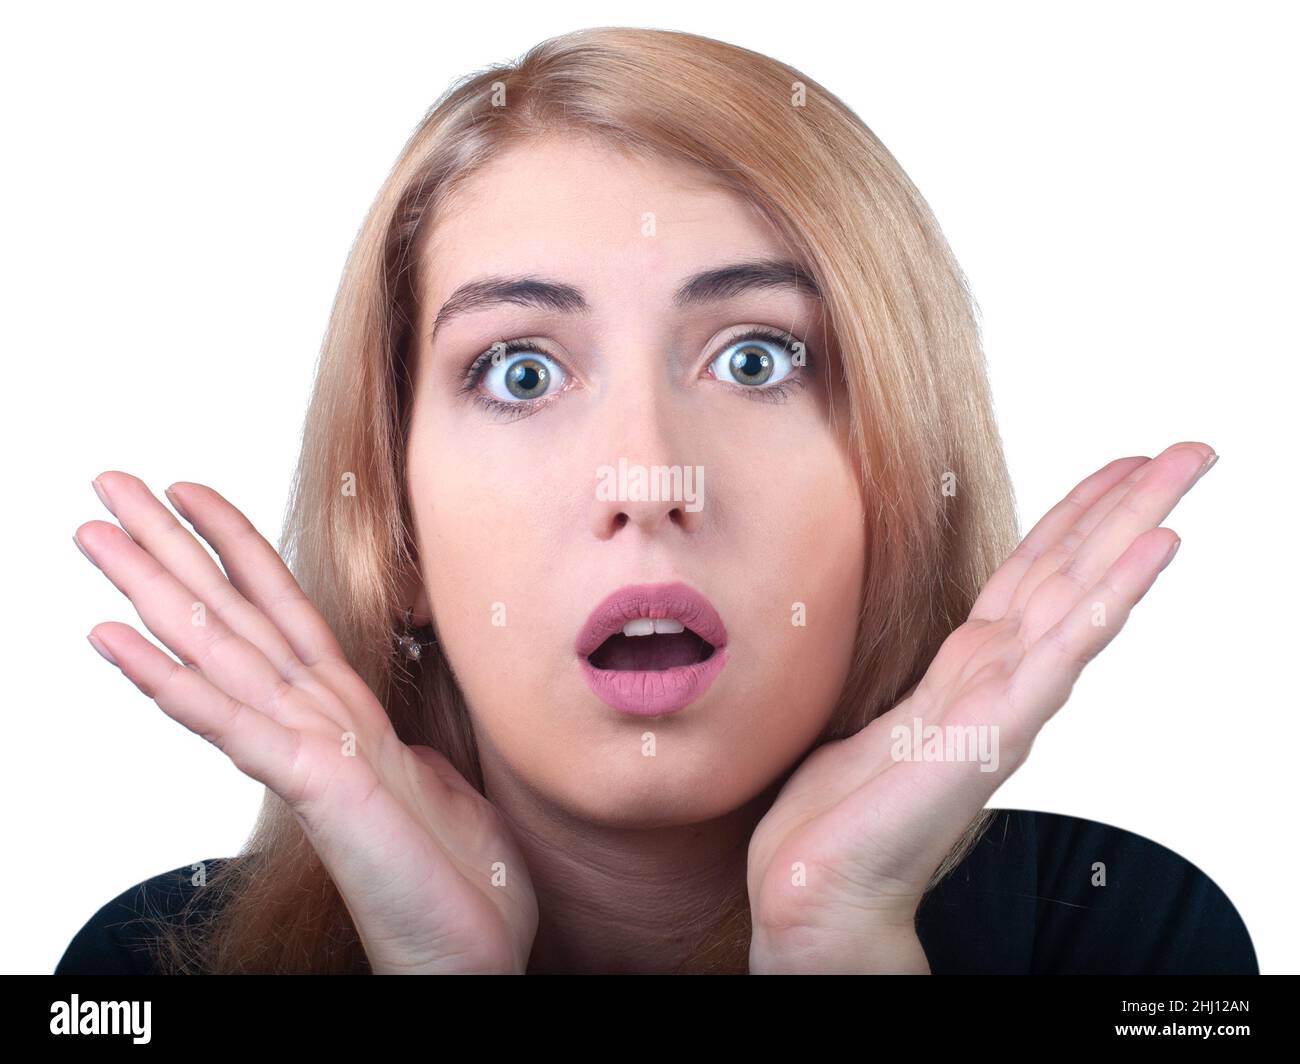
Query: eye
x=516 y=385
x=759 y=359
x=523 y=378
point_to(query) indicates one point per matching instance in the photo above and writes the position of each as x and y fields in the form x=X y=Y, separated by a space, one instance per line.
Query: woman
x=653 y=399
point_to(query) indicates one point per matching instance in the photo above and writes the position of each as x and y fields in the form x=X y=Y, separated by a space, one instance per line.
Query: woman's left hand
x=839 y=864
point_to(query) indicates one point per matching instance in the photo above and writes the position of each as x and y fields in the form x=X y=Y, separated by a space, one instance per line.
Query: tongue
x=623 y=653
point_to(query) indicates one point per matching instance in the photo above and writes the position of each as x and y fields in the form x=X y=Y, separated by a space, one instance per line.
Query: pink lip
x=649 y=693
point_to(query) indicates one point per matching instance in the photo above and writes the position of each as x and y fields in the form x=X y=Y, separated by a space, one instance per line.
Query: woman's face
x=524 y=525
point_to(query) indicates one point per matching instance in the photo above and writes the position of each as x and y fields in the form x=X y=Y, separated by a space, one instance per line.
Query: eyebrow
x=709 y=286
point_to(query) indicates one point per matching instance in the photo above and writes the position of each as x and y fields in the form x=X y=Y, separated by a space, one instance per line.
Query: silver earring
x=409 y=644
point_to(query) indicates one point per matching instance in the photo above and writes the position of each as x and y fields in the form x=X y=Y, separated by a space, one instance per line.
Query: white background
x=1118 y=180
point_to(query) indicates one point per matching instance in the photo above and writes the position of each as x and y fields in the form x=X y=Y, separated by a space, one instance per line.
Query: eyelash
x=776 y=393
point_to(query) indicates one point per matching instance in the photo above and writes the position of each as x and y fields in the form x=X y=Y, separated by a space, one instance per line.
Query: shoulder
x=1048 y=893
x=1115 y=901
x=115 y=940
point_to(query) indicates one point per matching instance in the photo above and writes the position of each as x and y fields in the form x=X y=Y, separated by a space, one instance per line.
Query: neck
x=631 y=900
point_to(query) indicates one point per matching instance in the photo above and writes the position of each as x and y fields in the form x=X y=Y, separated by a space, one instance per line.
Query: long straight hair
x=900 y=313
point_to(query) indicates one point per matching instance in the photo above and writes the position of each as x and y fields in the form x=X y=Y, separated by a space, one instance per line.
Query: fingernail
x=103 y=650
x=84 y=551
x=103 y=496
x=1209 y=462
x=176 y=503
x=1172 y=551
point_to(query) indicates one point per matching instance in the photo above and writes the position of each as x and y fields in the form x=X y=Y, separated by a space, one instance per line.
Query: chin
x=686 y=785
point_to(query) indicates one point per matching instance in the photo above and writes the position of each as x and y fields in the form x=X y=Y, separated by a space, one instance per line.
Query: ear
x=414 y=596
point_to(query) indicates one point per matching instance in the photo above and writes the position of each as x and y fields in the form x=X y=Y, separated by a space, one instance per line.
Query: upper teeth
x=652 y=625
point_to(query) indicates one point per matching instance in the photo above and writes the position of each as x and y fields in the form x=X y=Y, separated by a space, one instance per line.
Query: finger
x=995 y=598
x=1142 y=508
x=167 y=608
x=992 y=731
x=257 y=571
x=1043 y=679
x=153 y=527
x=1055 y=552
x=257 y=745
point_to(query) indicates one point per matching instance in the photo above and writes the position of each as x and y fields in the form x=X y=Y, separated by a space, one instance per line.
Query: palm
x=424 y=863
x=857 y=832
x=399 y=822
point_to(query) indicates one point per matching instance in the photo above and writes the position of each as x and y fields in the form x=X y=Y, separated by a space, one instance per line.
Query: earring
x=408 y=643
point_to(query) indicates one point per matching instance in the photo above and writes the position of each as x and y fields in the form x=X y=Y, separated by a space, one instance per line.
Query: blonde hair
x=899 y=311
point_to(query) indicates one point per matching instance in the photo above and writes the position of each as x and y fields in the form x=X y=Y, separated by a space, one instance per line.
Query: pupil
x=526 y=377
x=753 y=363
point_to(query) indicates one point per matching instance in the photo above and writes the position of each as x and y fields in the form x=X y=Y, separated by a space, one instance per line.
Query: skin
x=261 y=676
x=609 y=853
x=871 y=828
x=624 y=848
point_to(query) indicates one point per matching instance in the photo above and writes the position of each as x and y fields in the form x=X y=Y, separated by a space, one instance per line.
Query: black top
x=1027 y=899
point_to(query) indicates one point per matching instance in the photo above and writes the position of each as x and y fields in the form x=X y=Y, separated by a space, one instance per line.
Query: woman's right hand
x=426 y=866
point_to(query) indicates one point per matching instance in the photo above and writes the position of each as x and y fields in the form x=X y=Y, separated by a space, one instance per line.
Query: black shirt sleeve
x=114 y=941
x=1048 y=894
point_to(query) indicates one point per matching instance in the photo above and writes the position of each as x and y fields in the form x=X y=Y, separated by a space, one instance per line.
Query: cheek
x=490 y=550
x=475 y=529
x=804 y=587
x=795 y=523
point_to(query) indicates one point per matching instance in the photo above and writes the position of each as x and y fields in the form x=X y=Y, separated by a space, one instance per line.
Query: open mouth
x=651 y=651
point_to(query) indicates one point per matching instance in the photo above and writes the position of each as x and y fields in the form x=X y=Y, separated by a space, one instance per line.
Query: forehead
x=597 y=216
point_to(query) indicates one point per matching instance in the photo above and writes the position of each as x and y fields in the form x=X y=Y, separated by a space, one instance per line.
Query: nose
x=648 y=476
